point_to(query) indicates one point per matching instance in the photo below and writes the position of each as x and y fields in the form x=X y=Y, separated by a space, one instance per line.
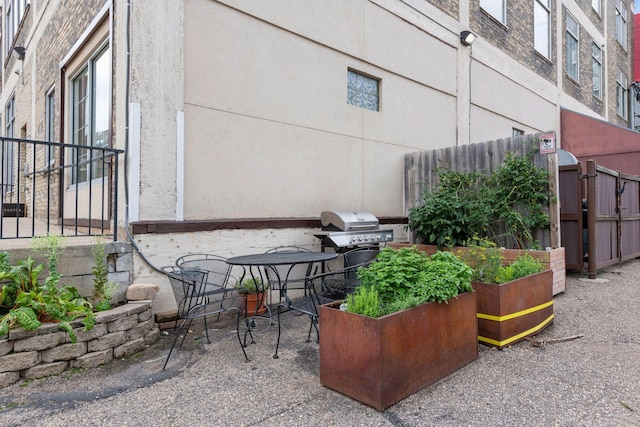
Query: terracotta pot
x=509 y=312
x=254 y=304
x=380 y=361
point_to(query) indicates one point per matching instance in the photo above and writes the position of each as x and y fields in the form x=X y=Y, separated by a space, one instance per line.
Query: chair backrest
x=218 y=272
x=286 y=271
x=185 y=285
x=336 y=285
x=360 y=255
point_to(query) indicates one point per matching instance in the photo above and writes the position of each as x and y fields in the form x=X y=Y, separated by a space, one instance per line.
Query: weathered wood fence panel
x=612 y=224
x=421 y=168
x=613 y=217
x=571 y=193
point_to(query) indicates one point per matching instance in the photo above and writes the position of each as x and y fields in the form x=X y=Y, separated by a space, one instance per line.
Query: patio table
x=270 y=261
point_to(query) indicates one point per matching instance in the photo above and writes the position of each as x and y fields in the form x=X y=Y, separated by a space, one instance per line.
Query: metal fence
x=58 y=188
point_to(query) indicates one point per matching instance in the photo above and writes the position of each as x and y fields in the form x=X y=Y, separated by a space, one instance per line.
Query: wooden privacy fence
x=612 y=216
x=421 y=171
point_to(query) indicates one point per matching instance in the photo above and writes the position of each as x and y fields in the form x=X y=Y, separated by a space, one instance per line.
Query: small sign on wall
x=548 y=143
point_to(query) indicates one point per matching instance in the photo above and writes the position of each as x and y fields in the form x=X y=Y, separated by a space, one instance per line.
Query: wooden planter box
x=509 y=312
x=552 y=259
x=380 y=361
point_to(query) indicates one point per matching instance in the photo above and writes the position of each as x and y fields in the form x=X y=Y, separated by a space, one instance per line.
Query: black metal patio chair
x=195 y=300
x=315 y=291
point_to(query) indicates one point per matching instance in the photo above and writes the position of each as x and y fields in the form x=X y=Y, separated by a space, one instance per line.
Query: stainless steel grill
x=344 y=230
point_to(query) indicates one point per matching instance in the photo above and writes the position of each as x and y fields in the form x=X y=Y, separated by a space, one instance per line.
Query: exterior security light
x=467 y=37
x=19 y=51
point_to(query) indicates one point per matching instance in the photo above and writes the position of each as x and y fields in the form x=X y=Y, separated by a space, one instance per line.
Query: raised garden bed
x=45 y=351
x=379 y=361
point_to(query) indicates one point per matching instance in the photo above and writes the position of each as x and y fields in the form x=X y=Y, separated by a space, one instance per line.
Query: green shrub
x=506 y=207
x=406 y=277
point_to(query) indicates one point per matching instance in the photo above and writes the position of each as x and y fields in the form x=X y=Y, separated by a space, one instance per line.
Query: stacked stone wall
x=119 y=332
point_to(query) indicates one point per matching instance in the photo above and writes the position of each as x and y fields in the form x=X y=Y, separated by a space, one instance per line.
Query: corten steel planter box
x=509 y=312
x=553 y=259
x=380 y=361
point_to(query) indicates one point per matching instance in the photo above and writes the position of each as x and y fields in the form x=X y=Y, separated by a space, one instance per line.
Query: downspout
x=127 y=228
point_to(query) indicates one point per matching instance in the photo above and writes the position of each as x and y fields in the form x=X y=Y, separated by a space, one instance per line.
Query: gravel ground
x=589 y=381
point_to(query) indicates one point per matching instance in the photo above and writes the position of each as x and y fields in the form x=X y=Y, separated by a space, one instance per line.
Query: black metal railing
x=57 y=188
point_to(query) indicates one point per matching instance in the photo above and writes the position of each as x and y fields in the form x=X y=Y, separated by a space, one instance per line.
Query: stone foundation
x=119 y=332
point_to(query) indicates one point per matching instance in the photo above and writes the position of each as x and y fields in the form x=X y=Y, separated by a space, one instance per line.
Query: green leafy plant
x=365 y=300
x=406 y=277
x=523 y=266
x=506 y=207
x=250 y=286
x=484 y=257
x=26 y=302
x=103 y=289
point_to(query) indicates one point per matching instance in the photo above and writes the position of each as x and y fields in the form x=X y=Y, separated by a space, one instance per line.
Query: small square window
x=516 y=132
x=363 y=91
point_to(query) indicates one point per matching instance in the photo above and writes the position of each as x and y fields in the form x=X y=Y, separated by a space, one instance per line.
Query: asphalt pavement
x=587 y=373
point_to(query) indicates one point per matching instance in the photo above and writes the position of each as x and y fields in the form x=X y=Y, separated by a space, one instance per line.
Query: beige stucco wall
x=268 y=131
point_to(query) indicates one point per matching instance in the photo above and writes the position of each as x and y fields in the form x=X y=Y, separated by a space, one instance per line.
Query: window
x=572 y=48
x=597 y=6
x=496 y=8
x=14 y=10
x=516 y=132
x=8 y=173
x=49 y=118
x=363 y=91
x=542 y=19
x=622 y=93
x=596 y=65
x=621 y=23
x=90 y=104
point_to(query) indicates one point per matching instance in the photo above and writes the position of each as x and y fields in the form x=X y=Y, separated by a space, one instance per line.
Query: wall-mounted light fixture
x=467 y=37
x=19 y=51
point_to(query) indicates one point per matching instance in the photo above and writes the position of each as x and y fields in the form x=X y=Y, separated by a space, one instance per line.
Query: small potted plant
x=411 y=322
x=515 y=300
x=254 y=291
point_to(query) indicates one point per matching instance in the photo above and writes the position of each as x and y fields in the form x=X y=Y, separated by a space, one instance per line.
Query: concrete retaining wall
x=119 y=332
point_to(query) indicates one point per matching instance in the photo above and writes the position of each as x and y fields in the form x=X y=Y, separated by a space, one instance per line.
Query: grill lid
x=348 y=221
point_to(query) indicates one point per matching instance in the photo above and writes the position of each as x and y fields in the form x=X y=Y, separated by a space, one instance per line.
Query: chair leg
x=314 y=324
x=206 y=329
x=185 y=334
x=275 y=355
x=242 y=346
x=174 y=342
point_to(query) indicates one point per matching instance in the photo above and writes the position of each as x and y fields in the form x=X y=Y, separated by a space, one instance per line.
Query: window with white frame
x=14 y=10
x=573 y=52
x=622 y=94
x=363 y=91
x=596 y=66
x=8 y=166
x=597 y=6
x=496 y=8
x=516 y=132
x=91 y=115
x=621 y=23
x=542 y=27
x=49 y=119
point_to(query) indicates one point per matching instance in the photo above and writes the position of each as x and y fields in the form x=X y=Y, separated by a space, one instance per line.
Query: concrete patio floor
x=592 y=380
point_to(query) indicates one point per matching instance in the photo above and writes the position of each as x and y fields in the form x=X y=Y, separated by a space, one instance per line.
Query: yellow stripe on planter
x=516 y=314
x=516 y=337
